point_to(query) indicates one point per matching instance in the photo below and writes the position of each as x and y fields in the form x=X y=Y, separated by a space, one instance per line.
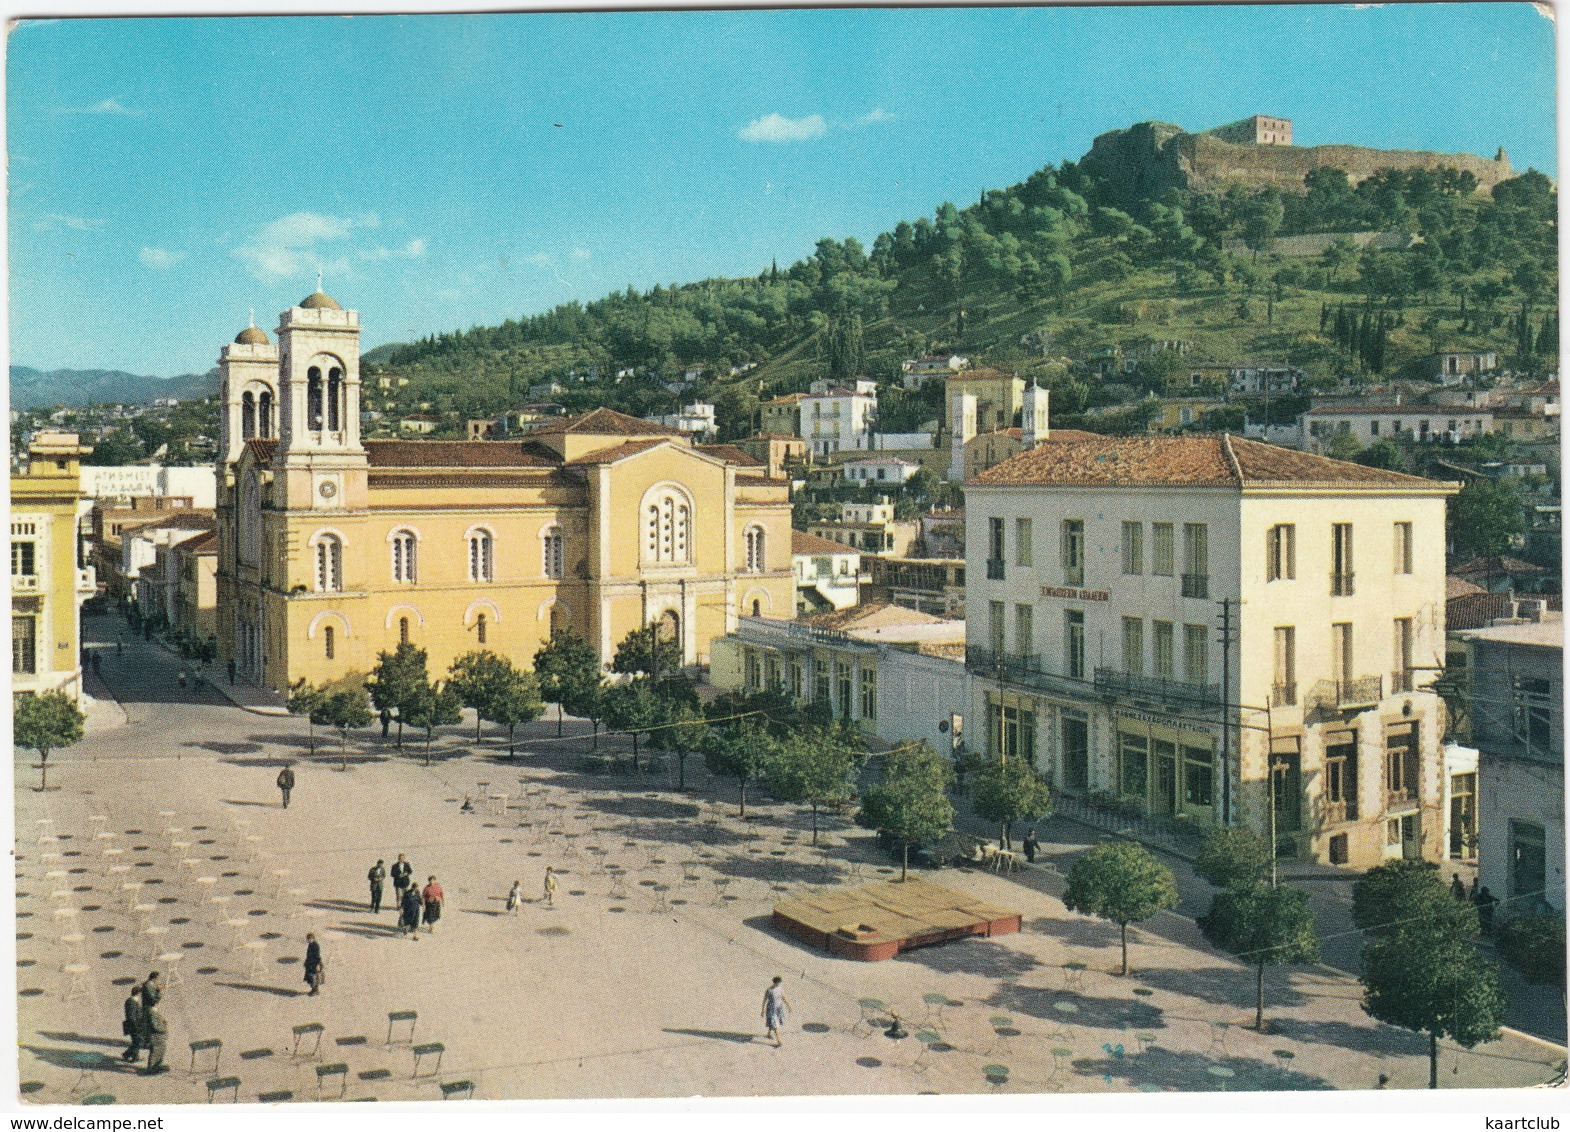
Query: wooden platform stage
x=878 y=921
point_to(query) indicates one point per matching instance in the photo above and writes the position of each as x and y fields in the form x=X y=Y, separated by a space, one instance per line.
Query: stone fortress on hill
x=1148 y=158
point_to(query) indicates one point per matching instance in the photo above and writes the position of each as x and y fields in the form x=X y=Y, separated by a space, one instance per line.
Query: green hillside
x=1046 y=271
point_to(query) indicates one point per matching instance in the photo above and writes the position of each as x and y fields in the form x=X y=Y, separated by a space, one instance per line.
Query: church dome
x=320 y=302
x=251 y=336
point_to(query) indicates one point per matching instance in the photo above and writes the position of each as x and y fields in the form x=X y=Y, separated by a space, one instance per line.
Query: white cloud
x=541 y=259
x=107 y=106
x=76 y=223
x=292 y=246
x=414 y=249
x=778 y=128
x=581 y=254
x=874 y=116
x=160 y=259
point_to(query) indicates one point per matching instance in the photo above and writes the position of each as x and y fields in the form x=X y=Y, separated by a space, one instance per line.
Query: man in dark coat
x=286 y=783
x=155 y=1034
x=409 y=908
x=402 y=875
x=131 y=1025
x=315 y=969
x=376 y=876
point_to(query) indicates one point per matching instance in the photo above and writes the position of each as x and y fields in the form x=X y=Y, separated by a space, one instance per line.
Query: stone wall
x=1150 y=157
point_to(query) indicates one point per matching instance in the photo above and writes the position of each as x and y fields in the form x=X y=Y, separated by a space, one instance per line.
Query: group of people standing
x=413 y=904
x=1480 y=898
x=144 y=1027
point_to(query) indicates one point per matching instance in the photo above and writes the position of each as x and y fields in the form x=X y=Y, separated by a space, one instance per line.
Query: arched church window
x=403 y=557
x=334 y=399
x=264 y=414
x=329 y=564
x=667 y=527
x=313 y=397
x=247 y=416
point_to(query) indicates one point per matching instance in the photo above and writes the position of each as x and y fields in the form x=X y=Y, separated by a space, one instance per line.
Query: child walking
x=515 y=897
x=550 y=887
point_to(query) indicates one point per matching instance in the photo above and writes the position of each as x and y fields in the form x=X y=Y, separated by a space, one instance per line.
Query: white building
x=916 y=372
x=697 y=419
x=878 y=471
x=1259 y=378
x=838 y=418
x=1099 y=577
x=141 y=480
x=1516 y=711
x=828 y=574
x=897 y=673
x=1368 y=423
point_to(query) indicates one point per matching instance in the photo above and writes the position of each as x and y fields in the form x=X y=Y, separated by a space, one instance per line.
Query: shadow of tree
x=1081 y=931
x=983 y=957
x=1182 y=1071
x=1095 y=1013
x=772 y=870
x=641 y=807
x=1222 y=986
x=225 y=748
x=1391 y=1041
x=264 y=761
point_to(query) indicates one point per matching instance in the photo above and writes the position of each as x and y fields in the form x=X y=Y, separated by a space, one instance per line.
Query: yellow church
x=333 y=549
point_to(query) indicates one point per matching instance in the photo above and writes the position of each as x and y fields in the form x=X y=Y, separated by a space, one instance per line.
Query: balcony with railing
x=1403 y=799
x=1156 y=689
x=994 y=569
x=1196 y=585
x=1341 y=584
x=25 y=583
x=1022 y=671
x=1365 y=691
x=1339 y=813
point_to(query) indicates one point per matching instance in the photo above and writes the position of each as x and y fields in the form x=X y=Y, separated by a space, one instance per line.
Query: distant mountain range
x=35 y=389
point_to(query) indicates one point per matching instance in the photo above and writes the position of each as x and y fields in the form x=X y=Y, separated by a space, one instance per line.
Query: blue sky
x=167 y=175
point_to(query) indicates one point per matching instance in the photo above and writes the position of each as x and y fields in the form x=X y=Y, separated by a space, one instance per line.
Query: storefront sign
x=1072 y=594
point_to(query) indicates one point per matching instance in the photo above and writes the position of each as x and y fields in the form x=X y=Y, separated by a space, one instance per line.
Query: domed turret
x=320 y=302
x=251 y=336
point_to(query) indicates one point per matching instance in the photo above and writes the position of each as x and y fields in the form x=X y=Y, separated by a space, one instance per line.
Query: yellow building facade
x=49 y=577
x=333 y=549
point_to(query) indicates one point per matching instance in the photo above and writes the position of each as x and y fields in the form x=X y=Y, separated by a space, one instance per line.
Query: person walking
x=155 y=1035
x=377 y=876
x=286 y=784
x=231 y=671
x=131 y=1025
x=774 y=1006
x=152 y=993
x=402 y=876
x=1486 y=903
x=514 y=897
x=432 y=899
x=409 y=911
x=1457 y=889
x=550 y=887
x=315 y=969
x=1032 y=846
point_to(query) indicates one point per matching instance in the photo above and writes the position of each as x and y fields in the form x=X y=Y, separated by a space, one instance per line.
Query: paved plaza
x=166 y=848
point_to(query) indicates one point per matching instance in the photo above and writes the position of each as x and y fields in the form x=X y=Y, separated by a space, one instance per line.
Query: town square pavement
x=166 y=837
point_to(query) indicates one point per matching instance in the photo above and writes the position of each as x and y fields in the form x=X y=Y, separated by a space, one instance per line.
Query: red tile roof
x=261 y=450
x=1185 y=461
x=458 y=454
x=1478 y=611
x=604 y=422
x=801 y=542
x=616 y=452
x=730 y=454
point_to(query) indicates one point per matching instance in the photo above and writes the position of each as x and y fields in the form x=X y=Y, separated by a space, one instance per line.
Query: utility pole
x=1226 y=635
